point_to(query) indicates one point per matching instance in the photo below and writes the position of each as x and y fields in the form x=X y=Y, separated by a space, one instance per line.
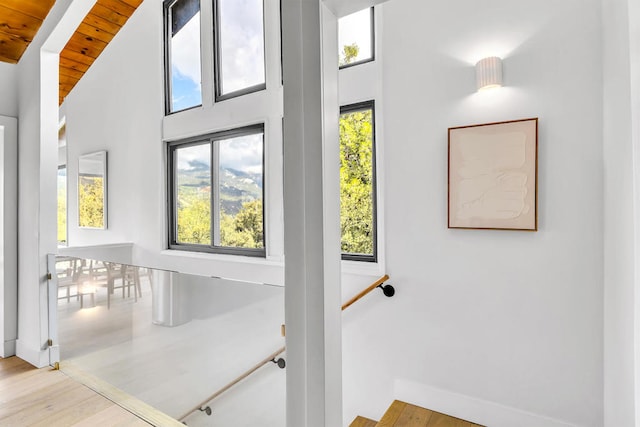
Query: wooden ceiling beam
x=20 y=20
x=7 y=59
x=85 y=45
x=77 y=57
x=68 y=80
x=64 y=90
x=70 y=72
x=118 y=6
x=18 y=24
x=74 y=65
x=95 y=32
x=38 y=9
x=108 y=14
x=133 y=3
x=12 y=47
x=99 y=22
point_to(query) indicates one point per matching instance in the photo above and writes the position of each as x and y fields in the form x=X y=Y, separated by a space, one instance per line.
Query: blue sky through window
x=186 y=87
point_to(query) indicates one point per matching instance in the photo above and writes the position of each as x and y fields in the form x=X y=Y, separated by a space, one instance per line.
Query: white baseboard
x=469 y=408
x=37 y=357
x=9 y=348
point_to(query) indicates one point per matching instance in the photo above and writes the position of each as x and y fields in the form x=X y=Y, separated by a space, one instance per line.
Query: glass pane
x=193 y=194
x=62 y=205
x=174 y=340
x=240 y=183
x=241 y=45
x=186 y=91
x=356 y=182
x=355 y=37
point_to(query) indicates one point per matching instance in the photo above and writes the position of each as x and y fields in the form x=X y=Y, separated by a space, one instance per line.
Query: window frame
x=168 y=88
x=217 y=59
x=212 y=139
x=373 y=43
x=351 y=108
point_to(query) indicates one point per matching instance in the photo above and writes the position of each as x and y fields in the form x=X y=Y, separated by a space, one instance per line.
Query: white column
x=8 y=235
x=621 y=201
x=634 y=60
x=37 y=172
x=311 y=215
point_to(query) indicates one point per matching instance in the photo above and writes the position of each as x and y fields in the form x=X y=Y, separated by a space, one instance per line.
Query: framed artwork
x=493 y=176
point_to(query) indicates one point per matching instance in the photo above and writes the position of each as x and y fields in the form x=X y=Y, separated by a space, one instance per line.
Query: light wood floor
x=402 y=414
x=45 y=397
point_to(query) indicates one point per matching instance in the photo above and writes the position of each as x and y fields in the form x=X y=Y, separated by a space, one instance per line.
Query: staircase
x=401 y=414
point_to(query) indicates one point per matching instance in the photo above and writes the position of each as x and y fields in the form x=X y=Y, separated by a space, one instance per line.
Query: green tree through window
x=217 y=182
x=357 y=194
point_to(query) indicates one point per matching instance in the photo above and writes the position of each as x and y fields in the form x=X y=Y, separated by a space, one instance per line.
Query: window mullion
x=207 y=52
x=215 y=193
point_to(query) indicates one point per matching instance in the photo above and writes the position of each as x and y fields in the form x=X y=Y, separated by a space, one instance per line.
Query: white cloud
x=185 y=50
x=242 y=36
x=189 y=155
x=243 y=153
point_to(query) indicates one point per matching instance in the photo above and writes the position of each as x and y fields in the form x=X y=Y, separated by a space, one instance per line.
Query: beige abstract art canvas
x=493 y=176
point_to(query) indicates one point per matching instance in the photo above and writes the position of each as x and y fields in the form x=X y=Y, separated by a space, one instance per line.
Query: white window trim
x=359 y=83
x=265 y=106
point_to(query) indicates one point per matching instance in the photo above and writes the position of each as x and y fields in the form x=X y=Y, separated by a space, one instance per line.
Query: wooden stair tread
x=402 y=414
x=363 y=422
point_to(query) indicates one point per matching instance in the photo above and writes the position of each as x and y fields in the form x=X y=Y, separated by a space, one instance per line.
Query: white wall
x=119 y=106
x=8 y=89
x=492 y=325
x=504 y=328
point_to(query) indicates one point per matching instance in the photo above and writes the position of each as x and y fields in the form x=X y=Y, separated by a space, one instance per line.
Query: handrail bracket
x=387 y=290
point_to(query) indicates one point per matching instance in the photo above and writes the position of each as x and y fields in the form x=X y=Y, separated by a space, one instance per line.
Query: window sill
x=271 y=261
x=353 y=268
x=360 y=268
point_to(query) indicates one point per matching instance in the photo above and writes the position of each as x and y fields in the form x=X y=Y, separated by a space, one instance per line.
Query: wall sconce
x=489 y=73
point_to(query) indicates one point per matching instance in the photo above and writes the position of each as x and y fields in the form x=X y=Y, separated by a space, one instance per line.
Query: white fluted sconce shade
x=489 y=73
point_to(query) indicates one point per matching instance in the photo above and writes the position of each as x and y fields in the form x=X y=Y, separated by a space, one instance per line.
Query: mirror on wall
x=92 y=190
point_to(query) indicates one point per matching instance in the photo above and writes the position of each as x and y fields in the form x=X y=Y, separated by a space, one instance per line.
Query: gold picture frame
x=493 y=176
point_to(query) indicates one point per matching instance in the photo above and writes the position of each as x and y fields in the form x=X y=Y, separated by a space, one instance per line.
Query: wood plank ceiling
x=92 y=36
x=20 y=20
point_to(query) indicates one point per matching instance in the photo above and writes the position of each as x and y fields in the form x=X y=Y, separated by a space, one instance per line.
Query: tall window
x=356 y=38
x=239 y=47
x=357 y=182
x=216 y=186
x=183 y=69
x=238 y=55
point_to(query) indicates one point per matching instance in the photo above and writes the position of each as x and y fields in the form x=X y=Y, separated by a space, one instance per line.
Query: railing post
x=52 y=298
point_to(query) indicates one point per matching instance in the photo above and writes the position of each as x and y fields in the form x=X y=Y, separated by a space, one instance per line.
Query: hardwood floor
x=402 y=414
x=45 y=397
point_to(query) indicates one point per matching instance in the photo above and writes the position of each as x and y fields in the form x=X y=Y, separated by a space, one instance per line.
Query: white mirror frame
x=93 y=165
